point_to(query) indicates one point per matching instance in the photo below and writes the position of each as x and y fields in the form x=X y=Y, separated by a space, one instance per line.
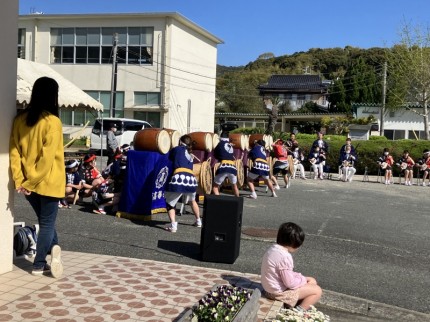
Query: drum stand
x=366 y=175
x=379 y=175
x=418 y=177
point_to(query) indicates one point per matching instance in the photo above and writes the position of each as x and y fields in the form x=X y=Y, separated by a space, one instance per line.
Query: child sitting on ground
x=278 y=279
x=73 y=182
x=104 y=196
x=91 y=175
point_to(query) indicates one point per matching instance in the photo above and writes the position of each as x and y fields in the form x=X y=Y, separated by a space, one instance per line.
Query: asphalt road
x=363 y=239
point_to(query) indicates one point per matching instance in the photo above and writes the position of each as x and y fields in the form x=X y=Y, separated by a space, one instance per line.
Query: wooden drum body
x=203 y=141
x=238 y=140
x=152 y=139
x=258 y=136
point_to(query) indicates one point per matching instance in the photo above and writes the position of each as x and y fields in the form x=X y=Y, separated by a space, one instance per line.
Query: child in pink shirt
x=278 y=279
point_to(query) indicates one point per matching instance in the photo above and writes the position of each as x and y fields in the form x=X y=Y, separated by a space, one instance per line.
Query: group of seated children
x=406 y=165
x=85 y=180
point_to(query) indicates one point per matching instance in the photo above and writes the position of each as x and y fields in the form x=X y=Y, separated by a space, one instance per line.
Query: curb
x=370 y=308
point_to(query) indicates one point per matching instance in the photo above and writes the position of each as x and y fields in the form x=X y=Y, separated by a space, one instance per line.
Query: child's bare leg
x=251 y=185
x=215 y=189
x=309 y=294
x=235 y=190
x=195 y=208
x=270 y=185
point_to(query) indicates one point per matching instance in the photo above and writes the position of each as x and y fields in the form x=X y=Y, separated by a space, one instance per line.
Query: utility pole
x=384 y=92
x=114 y=76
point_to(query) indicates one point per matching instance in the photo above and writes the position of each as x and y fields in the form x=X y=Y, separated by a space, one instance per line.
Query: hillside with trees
x=356 y=76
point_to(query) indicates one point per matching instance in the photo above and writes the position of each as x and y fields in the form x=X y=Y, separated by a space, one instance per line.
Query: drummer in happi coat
x=182 y=183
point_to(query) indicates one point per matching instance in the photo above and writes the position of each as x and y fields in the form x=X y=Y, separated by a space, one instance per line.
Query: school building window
x=77 y=117
x=94 y=45
x=153 y=118
x=81 y=117
x=104 y=98
x=146 y=98
x=21 y=43
x=394 y=134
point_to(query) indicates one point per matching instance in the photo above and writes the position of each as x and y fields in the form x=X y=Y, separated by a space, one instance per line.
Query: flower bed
x=225 y=303
x=293 y=315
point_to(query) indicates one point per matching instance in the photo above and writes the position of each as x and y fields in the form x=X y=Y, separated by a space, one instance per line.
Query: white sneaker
x=172 y=227
x=277 y=187
x=56 y=263
x=198 y=223
x=253 y=196
x=274 y=195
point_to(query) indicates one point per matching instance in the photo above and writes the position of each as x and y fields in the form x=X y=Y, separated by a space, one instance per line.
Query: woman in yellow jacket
x=37 y=164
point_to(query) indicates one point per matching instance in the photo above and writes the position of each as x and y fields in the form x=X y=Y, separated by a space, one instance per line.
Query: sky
x=250 y=28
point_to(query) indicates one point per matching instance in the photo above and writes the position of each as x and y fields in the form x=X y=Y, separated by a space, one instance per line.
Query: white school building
x=166 y=71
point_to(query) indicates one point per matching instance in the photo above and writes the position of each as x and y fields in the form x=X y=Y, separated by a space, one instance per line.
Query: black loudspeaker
x=222 y=225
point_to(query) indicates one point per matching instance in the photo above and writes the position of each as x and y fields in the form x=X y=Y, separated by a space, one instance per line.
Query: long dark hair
x=44 y=98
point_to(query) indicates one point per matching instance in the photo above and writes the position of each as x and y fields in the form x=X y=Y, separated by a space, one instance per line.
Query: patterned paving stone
x=120 y=289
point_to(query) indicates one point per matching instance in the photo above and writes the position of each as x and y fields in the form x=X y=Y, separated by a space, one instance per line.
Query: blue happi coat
x=258 y=156
x=224 y=153
x=182 y=179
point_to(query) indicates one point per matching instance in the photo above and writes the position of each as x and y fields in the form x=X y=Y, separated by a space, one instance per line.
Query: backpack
x=24 y=241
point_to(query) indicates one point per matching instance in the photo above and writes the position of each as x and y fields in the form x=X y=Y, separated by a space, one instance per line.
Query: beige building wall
x=8 y=39
x=182 y=52
x=192 y=79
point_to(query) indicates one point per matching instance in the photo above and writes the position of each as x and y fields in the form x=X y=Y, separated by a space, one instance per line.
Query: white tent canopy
x=69 y=95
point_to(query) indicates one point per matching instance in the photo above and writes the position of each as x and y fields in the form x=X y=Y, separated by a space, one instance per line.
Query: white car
x=126 y=129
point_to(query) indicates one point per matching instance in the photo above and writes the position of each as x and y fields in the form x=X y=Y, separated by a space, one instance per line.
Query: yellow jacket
x=36 y=155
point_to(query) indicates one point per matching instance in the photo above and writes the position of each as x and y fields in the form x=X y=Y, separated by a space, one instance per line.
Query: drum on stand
x=174 y=137
x=259 y=136
x=152 y=139
x=238 y=141
x=203 y=173
x=203 y=141
x=215 y=140
x=247 y=147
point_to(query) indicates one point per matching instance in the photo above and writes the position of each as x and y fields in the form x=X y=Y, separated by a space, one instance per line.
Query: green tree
x=408 y=77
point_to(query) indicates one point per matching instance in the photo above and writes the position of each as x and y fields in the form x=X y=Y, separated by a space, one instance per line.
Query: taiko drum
x=238 y=140
x=258 y=136
x=203 y=141
x=152 y=139
x=174 y=137
x=215 y=140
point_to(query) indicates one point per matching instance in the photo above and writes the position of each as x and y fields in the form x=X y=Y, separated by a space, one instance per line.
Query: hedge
x=368 y=151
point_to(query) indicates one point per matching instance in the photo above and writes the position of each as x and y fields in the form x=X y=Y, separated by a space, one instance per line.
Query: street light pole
x=114 y=76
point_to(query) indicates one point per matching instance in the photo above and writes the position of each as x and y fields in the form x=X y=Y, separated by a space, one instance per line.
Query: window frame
x=67 y=43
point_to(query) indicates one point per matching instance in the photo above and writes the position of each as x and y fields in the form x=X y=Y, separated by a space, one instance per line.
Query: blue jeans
x=46 y=209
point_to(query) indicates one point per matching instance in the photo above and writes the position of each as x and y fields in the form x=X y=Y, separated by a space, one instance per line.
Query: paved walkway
x=97 y=288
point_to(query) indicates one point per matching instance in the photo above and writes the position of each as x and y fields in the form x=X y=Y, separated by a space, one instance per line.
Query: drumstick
x=196 y=158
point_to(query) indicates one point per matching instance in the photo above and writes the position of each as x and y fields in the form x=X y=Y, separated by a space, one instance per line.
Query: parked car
x=126 y=129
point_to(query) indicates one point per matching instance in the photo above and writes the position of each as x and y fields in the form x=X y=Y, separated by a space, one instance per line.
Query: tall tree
x=409 y=73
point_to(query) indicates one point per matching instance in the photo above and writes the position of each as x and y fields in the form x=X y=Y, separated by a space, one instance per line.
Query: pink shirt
x=277 y=273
